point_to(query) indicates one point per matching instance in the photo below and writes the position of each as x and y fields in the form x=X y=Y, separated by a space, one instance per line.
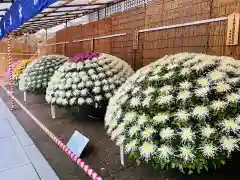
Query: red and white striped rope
x=90 y=172
x=10 y=70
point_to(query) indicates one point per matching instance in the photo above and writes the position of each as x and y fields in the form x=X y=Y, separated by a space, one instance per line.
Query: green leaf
x=214 y=165
x=162 y=166
x=222 y=162
x=190 y=166
x=206 y=168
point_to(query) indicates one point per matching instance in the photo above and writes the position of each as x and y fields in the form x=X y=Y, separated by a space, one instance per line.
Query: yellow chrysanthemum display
x=18 y=70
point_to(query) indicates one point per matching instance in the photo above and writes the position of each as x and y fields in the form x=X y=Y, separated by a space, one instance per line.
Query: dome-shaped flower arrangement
x=179 y=112
x=89 y=78
x=18 y=70
x=38 y=76
x=22 y=77
x=7 y=74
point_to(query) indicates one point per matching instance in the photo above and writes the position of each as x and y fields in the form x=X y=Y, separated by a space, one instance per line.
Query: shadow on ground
x=101 y=154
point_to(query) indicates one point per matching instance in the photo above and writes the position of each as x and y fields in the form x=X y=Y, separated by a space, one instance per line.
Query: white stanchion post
x=122 y=154
x=53 y=113
x=25 y=96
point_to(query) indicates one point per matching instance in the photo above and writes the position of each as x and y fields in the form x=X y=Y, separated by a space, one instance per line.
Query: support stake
x=53 y=113
x=122 y=154
x=25 y=96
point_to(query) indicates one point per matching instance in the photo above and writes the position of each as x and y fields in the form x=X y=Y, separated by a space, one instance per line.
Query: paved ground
x=101 y=154
x=19 y=157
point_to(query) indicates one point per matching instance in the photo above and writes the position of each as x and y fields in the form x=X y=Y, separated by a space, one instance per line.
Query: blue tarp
x=20 y=12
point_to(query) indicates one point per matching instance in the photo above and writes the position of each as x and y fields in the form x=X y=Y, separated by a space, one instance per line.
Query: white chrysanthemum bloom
x=165 y=152
x=186 y=153
x=161 y=118
x=64 y=102
x=200 y=112
x=123 y=99
x=148 y=132
x=167 y=133
x=227 y=68
x=81 y=101
x=202 y=92
x=130 y=116
x=208 y=150
x=141 y=78
x=136 y=90
x=142 y=119
x=217 y=75
x=185 y=71
x=238 y=119
x=219 y=105
x=72 y=101
x=186 y=85
x=168 y=75
x=131 y=146
x=96 y=82
x=135 y=101
x=166 y=90
x=229 y=144
x=233 y=80
x=233 y=97
x=207 y=131
x=147 y=150
x=89 y=101
x=190 y=62
x=149 y=90
x=222 y=87
x=120 y=140
x=96 y=90
x=182 y=115
x=184 y=95
x=146 y=101
x=165 y=100
x=230 y=126
x=84 y=92
x=134 y=130
x=187 y=135
x=98 y=98
x=172 y=66
x=113 y=124
x=203 y=82
x=154 y=78
x=118 y=131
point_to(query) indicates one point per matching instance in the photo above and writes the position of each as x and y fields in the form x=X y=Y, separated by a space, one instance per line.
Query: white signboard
x=77 y=143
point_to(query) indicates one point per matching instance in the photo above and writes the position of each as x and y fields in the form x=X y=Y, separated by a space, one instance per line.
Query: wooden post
x=92 y=44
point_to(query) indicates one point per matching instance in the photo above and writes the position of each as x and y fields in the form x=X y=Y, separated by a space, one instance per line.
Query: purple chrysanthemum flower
x=84 y=56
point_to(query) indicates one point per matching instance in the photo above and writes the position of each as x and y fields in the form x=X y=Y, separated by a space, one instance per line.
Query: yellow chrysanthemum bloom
x=18 y=70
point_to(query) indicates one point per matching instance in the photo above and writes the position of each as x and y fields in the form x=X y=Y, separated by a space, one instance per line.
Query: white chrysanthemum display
x=22 y=78
x=181 y=111
x=89 y=78
x=36 y=77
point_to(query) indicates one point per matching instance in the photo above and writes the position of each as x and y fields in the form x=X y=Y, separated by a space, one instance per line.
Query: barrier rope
x=10 y=70
x=90 y=172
